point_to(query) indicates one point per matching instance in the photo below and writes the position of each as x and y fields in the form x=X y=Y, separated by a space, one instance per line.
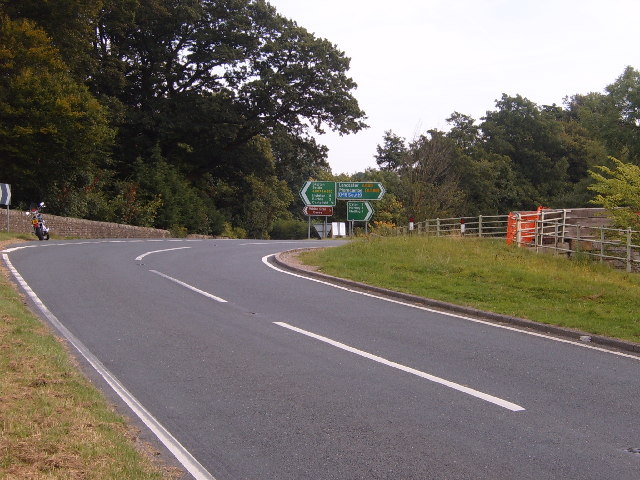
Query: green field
x=492 y=276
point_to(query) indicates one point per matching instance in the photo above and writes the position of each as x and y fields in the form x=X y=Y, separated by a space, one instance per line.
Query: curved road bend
x=253 y=373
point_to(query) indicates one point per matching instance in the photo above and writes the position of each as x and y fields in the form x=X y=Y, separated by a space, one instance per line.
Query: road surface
x=244 y=371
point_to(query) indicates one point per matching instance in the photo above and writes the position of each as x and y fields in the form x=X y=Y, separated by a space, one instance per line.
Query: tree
x=464 y=132
x=218 y=73
x=226 y=93
x=430 y=182
x=532 y=140
x=618 y=190
x=267 y=200
x=389 y=210
x=181 y=205
x=613 y=118
x=70 y=24
x=624 y=94
x=52 y=131
x=297 y=159
x=391 y=155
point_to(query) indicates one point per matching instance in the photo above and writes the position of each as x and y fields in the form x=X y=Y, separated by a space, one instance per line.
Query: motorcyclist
x=37 y=221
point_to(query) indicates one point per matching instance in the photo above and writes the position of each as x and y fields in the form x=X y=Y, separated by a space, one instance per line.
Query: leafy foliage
x=213 y=103
x=519 y=156
x=618 y=190
x=201 y=116
x=52 y=128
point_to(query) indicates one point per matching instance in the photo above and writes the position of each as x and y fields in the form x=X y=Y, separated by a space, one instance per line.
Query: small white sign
x=338 y=229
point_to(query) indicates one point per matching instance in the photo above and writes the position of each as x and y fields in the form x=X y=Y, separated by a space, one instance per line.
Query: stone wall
x=61 y=227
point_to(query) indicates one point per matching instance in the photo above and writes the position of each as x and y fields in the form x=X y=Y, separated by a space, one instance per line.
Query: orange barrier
x=527 y=228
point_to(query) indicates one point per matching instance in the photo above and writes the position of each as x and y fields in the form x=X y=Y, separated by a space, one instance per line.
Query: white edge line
x=168 y=440
x=140 y=257
x=265 y=260
x=190 y=287
x=272 y=242
x=432 y=378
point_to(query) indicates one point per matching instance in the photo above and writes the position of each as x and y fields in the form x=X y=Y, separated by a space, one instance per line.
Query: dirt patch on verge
x=292 y=258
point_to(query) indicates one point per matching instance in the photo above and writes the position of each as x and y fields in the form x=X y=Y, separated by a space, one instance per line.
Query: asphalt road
x=252 y=373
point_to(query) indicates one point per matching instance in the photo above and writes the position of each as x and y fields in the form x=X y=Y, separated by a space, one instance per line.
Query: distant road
x=252 y=373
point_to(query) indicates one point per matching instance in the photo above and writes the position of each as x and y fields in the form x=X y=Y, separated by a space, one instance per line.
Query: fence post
x=480 y=226
x=629 y=249
x=577 y=249
x=601 y=245
x=437 y=227
x=555 y=239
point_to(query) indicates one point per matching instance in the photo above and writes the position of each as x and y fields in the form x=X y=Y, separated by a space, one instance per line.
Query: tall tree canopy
x=521 y=155
x=53 y=132
x=215 y=74
x=223 y=90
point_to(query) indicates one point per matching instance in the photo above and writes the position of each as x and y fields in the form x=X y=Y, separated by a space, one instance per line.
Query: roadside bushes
x=289 y=230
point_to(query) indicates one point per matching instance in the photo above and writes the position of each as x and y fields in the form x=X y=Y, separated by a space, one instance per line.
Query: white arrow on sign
x=359 y=211
x=319 y=193
x=5 y=194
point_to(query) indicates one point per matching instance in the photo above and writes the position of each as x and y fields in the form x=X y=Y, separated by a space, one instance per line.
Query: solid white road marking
x=265 y=260
x=190 y=287
x=432 y=378
x=140 y=257
x=173 y=445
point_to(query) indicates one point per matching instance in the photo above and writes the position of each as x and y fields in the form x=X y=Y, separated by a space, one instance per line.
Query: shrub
x=289 y=230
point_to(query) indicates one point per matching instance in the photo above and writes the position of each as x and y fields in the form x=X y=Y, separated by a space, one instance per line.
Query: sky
x=418 y=61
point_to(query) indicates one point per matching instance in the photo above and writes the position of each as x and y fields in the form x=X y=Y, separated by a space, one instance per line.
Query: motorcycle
x=40 y=228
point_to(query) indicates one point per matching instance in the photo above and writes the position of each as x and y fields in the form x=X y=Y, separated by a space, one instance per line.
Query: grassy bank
x=492 y=276
x=53 y=422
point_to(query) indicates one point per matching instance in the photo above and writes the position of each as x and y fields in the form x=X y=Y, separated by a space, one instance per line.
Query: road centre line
x=266 y=258
x=140 y=257
x=92 y=242
x=168 y=440
x=427 y=376
x=190 y=287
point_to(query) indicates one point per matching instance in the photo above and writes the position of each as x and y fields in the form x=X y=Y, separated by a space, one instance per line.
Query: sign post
x=359 y=211
x=315 y=211
x=5 y=198
x=359 y=190
x=320 y=197
x=321 y=194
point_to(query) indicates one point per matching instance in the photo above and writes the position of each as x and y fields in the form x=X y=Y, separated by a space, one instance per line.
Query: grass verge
x=53 y=423
x=492 y=276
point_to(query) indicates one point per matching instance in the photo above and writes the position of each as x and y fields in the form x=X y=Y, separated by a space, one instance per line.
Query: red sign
x=312 y=211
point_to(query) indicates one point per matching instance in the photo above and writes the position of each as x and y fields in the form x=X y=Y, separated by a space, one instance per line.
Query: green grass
x=492 y=276
x=53 y=423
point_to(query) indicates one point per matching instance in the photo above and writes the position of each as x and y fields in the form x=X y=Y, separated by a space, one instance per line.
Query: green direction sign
x=319 y=193
x=359 y=191
x=359 y=211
